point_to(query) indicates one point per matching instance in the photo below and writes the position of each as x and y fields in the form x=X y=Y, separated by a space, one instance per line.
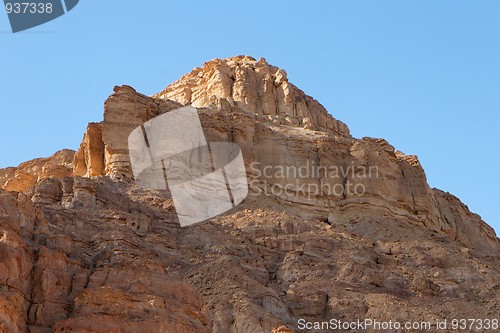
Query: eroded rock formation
x=84 y=249
x=27 y=174
x=253 y=86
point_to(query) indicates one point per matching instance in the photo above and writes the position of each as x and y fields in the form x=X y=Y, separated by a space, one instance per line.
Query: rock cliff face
x=89 y=159
x=334 y=226
x=253 y=86
x=29 y=173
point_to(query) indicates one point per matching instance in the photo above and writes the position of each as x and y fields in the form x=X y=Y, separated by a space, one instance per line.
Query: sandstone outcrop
x=333 y=227
x=253 y=86
x=89 y=158
x=123 y=111
x=27 y=174
x=126 y=266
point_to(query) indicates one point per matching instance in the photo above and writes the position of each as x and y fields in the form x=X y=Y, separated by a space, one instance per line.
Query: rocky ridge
x=79 y=240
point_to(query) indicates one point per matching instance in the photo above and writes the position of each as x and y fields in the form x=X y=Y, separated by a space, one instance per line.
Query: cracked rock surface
x=84 y=249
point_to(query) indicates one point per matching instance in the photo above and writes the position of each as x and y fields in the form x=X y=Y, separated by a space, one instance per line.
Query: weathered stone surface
x=47 y=191
x=392 y=182
x=256 y=87
x=92 y=252
x=89 y=158
x=6 y=174
x=461 y=224
x=84 y=192
x=27 y=174
x=17 y=217
x=123 y=111
x=252 y=269
x=51 y=280
x=22 y=181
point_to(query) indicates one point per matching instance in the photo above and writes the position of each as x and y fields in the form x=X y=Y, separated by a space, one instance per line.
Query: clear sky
x=425 y=75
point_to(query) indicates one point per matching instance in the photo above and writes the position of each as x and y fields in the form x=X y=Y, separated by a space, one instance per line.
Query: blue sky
x=425 y=75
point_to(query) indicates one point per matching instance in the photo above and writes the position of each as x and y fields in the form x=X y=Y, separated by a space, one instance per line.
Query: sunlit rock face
x=333 y=226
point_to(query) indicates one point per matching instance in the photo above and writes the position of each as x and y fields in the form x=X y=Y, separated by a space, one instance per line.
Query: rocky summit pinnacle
x=333 y=227
x=253 y=86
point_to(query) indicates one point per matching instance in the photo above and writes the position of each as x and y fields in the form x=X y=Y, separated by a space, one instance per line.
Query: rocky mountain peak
x=333 y=226
x=254 y=86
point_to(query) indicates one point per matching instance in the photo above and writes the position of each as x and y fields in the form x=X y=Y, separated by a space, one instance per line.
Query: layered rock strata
x=334 y=226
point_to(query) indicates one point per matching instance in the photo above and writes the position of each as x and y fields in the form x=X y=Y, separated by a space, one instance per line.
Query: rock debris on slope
x=84 y=249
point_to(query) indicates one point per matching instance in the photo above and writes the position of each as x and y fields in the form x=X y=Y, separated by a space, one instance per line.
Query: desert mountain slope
x=333 y=226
